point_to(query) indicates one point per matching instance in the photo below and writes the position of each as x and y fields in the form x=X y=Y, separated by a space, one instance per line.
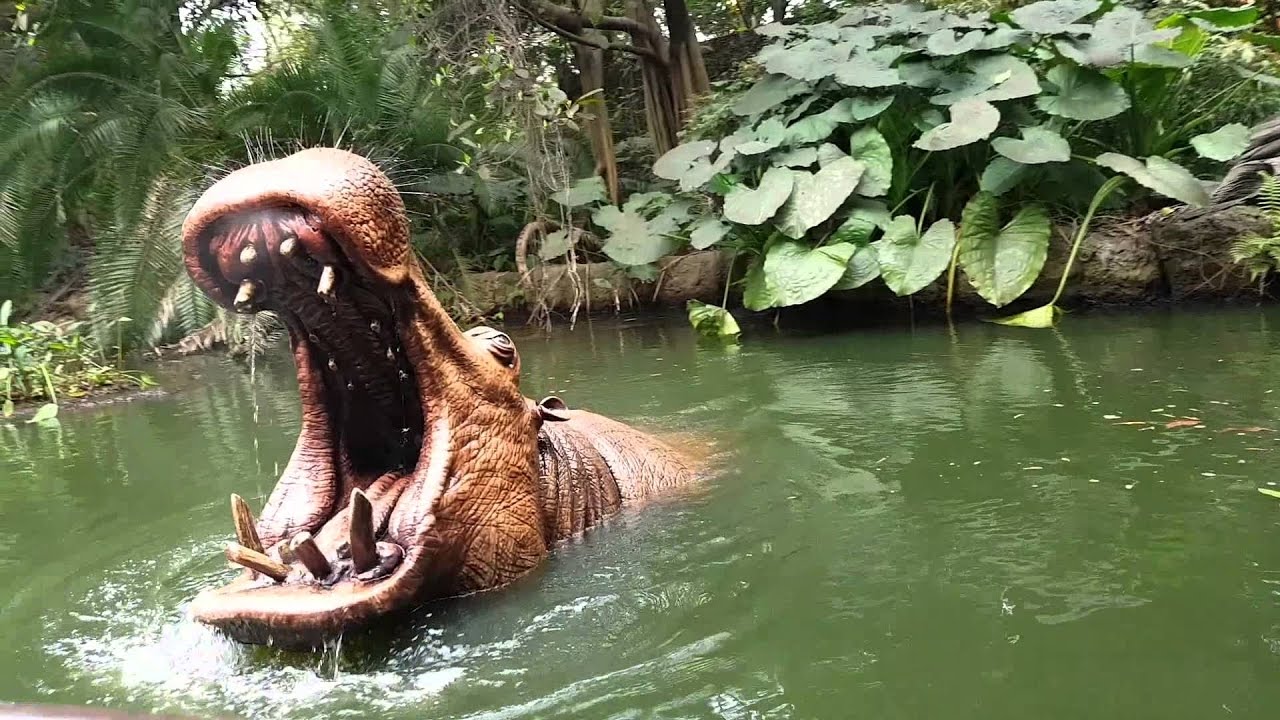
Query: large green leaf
x=864 y=217
x=1010 y=77
x=1082 y=95
x=1042 y=317
x=712 y=320
x=1004 y=36
x=910 y=261
x=863 y=267
x=768 y=135
x=1120 y=36
x=1164 y=176
x=671 y=218
x=796 y=274
x=707 y=232
x=869 y=147
x=829 y=153
x=631 y=241
x=756 y=293
x=1002 y=263
x=1038 y=145
x=752 y=207
x=809 y=60
x=865 y=107
x=1228 y=18
x=555 y=244
x=767 y=93
x=1053 y=16
x=870 y=69
x=1002 y=175
x=583 y=192
x=797 y=157
x=817 y=196
x=921 y=73
x=971 y=121
x=46 y=413
x=946 y=42
x=677 y=161
x=1222 y=144
x=702 y=170
x=819 y=125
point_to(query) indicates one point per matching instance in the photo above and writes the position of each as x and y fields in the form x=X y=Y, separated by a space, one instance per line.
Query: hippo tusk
x=255 y=560
x=246 y=526
x=288 y=245
x=244 y=296
x=248 y=255
x=310 y=555
x=364 y=551
x=327 y=278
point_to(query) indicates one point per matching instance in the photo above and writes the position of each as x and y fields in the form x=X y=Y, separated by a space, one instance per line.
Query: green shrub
x=885 y=122
x=44 y=362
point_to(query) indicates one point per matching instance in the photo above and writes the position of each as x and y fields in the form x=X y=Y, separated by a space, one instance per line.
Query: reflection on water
x=901 y=524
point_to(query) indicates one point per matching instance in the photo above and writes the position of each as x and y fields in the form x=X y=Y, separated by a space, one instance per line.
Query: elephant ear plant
x=866 y=138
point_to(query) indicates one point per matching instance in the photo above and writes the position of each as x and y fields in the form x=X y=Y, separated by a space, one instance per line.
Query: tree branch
x=603 y=45
x=566 y=18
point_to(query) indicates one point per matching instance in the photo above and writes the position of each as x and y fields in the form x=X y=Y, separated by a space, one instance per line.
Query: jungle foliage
x=897 y=141
x=45 y=363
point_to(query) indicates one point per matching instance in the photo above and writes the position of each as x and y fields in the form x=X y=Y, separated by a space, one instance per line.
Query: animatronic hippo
x=420 y=470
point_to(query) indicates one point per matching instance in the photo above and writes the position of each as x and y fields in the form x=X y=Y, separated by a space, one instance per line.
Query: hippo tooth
x=310 y=555
x=256 y=561
x=327 y=278
x=248 y=254
x=244 y=296
x=246 y=527
x=364 y=551
x=288 y=245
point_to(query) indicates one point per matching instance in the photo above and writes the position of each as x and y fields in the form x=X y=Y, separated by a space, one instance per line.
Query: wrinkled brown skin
x=469 y=479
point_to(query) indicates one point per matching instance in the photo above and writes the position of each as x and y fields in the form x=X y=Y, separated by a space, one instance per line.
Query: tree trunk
x=660 y=106
x=779 y=8
x=591 y=72
x=688 y=72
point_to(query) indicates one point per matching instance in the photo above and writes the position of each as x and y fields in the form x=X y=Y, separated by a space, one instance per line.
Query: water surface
x=902 y=524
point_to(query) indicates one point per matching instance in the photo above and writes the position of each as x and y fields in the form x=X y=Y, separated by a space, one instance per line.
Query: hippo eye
x=502 y=348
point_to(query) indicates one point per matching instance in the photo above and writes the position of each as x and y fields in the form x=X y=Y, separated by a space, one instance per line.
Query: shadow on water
x=901 y=524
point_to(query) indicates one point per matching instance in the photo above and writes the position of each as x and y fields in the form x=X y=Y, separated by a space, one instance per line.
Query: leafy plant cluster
x=866 y=138
x=117 y=114
x=43 y=362
x=1260 y=254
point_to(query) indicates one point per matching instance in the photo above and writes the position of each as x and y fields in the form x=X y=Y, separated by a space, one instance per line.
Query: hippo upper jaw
x=415 y=471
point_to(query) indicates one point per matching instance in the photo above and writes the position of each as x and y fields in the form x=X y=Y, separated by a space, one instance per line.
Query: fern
x=1260 y=254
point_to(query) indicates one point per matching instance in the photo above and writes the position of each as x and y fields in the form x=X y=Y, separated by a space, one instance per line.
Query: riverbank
x=1123 y=262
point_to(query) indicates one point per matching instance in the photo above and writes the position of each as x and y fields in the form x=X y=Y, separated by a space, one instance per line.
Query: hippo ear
x=553 y=409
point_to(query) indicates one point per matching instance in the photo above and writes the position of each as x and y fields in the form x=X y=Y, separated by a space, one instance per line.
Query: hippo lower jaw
x=415 y=471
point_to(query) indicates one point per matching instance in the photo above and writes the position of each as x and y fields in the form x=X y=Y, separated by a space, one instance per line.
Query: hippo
x=420 y=471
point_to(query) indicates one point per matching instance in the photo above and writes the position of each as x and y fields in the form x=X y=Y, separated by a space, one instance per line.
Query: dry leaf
x=1183 y=423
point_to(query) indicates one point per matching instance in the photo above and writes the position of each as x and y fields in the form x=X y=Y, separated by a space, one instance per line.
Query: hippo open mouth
x=415 y=473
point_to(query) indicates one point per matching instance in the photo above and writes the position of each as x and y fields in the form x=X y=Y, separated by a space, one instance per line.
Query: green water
x=901 y=524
